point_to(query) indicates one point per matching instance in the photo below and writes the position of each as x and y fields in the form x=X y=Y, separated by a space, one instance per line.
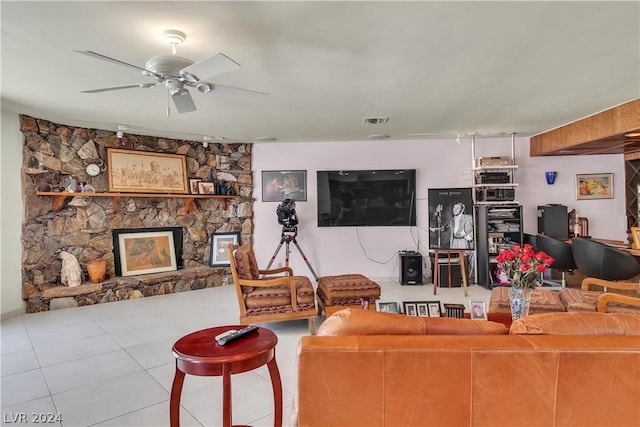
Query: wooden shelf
x=60 y=197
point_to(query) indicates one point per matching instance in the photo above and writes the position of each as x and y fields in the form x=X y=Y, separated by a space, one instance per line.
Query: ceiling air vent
x=375 y=120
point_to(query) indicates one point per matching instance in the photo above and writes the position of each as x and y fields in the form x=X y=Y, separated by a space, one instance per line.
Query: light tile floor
x=111 y=364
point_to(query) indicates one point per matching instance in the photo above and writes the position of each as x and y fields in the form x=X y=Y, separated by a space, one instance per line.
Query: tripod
x=289 y=233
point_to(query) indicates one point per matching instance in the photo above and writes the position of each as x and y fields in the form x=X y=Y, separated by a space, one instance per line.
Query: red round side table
x=199 y=354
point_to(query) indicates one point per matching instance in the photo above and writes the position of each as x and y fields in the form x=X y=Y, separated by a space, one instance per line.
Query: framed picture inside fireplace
x=146 y=172
x=219 y=241
x=147 y=250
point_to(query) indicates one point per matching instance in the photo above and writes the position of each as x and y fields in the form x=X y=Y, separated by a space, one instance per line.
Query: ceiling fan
x=176 y=73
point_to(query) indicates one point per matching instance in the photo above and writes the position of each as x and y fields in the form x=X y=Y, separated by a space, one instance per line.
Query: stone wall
x=53 y=152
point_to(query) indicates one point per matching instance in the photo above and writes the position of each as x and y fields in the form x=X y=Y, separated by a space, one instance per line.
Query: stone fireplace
x=84 y=225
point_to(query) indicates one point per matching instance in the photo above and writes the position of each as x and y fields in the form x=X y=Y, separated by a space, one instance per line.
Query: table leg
x=435 y=271
x=226 y=395
x=276 y=384
x=176 y=392
x=461 y=255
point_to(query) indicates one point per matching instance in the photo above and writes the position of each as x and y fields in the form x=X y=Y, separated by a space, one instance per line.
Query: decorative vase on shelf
x=519 y=299
x=97 y=270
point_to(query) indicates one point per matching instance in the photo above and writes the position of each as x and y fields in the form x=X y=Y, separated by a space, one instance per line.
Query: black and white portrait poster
x=451 y=218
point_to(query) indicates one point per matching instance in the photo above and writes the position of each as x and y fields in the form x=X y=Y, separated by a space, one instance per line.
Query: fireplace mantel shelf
x=60 y=197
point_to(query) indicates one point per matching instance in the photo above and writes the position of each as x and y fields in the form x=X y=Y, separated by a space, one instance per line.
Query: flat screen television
x=367 y=198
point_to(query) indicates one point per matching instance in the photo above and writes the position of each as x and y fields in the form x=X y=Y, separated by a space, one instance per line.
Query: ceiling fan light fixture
x=174 y=38
x=204 y=87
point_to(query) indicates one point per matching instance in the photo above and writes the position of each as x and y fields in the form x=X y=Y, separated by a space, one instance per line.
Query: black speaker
x=553 y=221
x=410 y=268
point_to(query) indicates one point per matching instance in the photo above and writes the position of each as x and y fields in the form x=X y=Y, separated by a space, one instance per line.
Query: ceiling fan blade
x=209 y=67
x=231 y=90
x=108 y=59
x=107 y=89
x=183 y=101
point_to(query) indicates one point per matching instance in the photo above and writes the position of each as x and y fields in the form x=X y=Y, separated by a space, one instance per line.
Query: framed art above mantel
x=146 y=172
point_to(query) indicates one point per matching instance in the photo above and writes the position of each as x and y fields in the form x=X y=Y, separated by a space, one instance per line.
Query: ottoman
x=346 y=290
x=542 y=301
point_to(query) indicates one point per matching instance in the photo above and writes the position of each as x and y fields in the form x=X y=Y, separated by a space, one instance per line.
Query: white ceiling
x=438 y=68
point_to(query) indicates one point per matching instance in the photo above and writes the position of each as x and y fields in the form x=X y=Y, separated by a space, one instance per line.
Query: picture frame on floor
x=410 y=308
x=478 y=309
x=388 y=307
x=434 y=309
x=414 y=308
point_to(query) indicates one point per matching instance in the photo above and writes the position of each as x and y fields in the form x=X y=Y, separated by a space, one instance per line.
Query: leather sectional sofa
x=368 y=368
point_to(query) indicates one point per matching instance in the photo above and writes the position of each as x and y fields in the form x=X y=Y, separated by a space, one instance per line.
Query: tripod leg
x=286 y=254
x=274 y=255
x=304 y=257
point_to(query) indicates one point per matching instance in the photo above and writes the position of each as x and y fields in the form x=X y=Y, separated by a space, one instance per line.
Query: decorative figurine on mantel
x=71 y=273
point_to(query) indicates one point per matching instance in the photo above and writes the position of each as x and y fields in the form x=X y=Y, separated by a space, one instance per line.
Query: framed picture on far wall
x=218 y=256
x=594 y=186
x=146 y=172
x=280 y=185
x=451 y=218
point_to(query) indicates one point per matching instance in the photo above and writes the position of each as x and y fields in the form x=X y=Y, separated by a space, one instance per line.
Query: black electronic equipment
x=553 y=221
x=354 y=198
x=496 y=194
x=410 y=268
x=494 y=178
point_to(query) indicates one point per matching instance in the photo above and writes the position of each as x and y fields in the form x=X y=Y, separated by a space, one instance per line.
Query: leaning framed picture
x=193 y=185
x=478 y=309
x=144 y=252
x=635 y=234
x=388 y=307
x=280 y=185
x=410 y=308
x=218 y=256
x=594 y=186
x=146 y=172
x=434 y=308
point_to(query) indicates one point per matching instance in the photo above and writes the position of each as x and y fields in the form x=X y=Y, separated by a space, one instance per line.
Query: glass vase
x=519 y=299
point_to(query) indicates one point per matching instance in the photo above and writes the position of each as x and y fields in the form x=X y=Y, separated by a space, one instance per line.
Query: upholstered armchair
x=269 y=295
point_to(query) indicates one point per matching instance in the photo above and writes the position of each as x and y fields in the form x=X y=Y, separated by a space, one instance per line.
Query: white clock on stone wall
x=93 y=169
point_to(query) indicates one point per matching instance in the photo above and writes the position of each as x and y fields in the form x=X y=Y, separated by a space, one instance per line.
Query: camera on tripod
x=286 y=212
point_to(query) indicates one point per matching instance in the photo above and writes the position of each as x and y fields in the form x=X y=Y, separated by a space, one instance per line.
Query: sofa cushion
x=277 y=299
x=577 y=323
x=355 y=321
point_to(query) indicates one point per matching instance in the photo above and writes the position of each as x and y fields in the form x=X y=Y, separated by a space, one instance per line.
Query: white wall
x=440 y=164
x=11 y=215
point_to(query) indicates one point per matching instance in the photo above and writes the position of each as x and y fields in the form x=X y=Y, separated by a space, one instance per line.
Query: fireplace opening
x=147 y=250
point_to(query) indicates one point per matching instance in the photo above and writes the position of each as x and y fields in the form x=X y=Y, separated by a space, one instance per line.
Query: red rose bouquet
x=523 y=266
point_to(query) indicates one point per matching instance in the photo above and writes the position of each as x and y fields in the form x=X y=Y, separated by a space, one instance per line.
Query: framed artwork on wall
x=146 y=172
x=219 y=241
x=280 y=185
x=594 y=186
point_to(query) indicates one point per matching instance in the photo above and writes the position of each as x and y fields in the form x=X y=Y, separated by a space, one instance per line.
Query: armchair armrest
x=287 y=270
x=607 y=284
x=604 y=299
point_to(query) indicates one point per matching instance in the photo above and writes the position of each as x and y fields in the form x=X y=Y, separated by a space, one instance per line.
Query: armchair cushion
x=577 y=300
x=277 y=299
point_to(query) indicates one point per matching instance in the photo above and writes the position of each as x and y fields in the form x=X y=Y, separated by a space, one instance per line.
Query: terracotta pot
x=97 y=269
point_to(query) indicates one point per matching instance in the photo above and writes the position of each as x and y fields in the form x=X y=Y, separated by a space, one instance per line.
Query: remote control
x=236 y=335
x=224 y=334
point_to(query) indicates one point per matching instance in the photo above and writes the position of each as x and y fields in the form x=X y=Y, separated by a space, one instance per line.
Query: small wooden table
x=463 y=270
x=199 y=354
